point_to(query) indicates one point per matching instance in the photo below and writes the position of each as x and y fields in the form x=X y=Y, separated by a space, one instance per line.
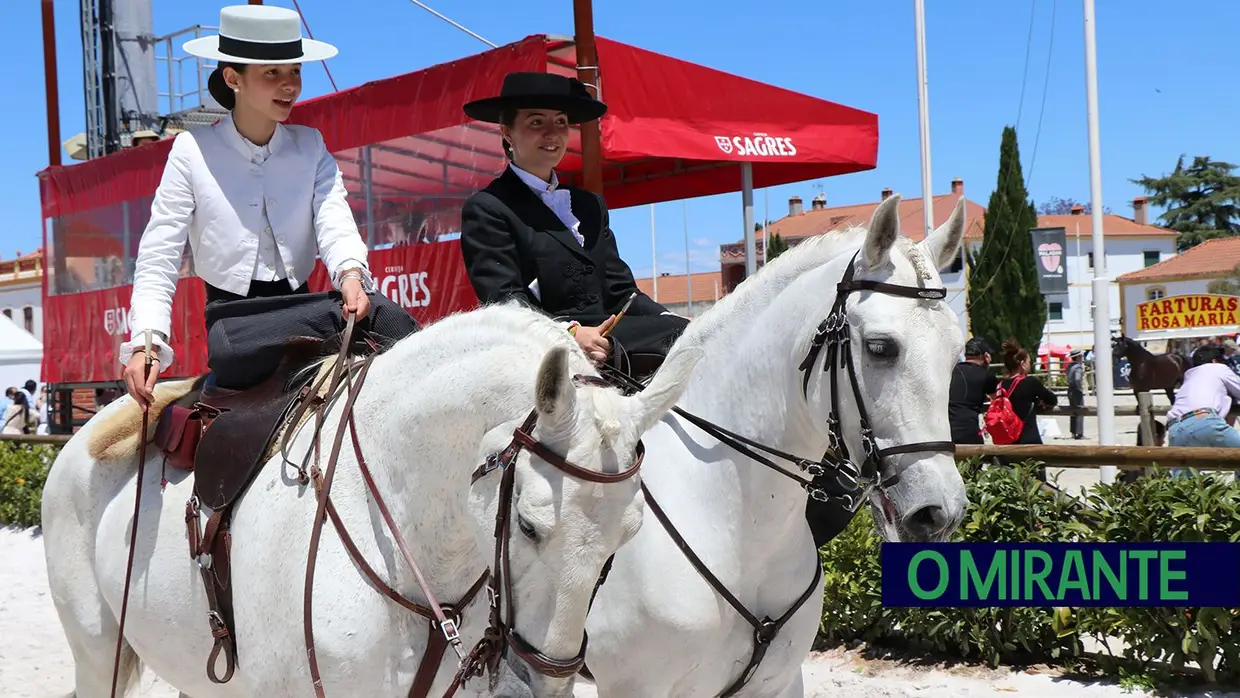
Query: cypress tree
x=775 y=246
x=1004 y=301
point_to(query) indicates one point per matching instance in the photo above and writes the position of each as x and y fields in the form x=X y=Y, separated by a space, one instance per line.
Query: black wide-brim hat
x=539 y=91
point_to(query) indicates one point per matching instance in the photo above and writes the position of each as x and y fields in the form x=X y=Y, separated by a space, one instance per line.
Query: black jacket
x=509 y=238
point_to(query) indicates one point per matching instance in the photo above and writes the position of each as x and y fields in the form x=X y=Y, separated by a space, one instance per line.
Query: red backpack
x=1001 y=421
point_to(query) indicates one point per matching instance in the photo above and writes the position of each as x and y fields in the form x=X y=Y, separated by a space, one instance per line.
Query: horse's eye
x=882 y=348
x=527 y=529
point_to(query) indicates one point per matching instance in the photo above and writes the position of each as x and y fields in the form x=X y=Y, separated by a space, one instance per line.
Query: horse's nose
x=927 y=522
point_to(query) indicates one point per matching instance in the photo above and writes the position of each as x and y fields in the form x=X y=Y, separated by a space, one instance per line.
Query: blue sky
x=1162 y=75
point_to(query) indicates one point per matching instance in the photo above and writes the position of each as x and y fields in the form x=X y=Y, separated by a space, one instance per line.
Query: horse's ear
x=666 y=387
x=943 y=244
x=555 y=397
x=881 y=236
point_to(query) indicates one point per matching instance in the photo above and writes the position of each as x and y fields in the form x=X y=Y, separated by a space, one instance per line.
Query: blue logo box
x=1060 y=574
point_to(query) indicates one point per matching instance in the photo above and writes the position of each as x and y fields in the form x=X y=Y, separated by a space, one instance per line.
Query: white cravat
x=560 y=201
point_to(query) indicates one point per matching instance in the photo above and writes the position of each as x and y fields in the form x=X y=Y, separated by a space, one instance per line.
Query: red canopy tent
x=410 y=156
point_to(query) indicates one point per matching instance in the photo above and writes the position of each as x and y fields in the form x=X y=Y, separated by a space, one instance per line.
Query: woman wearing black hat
x=255 y=200
x=528 y=237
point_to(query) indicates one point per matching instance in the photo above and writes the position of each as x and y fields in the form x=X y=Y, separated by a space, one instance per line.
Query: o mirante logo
x=1059 y=574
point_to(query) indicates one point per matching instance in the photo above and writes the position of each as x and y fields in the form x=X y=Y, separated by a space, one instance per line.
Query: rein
x=833 y=477
x=444 y=619
x=137 y=508
x=501 y=636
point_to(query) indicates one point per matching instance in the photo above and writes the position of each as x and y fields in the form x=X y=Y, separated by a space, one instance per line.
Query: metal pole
x=688 y=268
x=587 y=72
x=107 y=61
x=751 y=259
x=923 y=115
x=654 y=258
x=766 y=223
x=50 y=86
x=1101 y=284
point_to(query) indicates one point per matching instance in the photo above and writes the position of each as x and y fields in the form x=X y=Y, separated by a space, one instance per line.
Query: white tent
x=21 y=355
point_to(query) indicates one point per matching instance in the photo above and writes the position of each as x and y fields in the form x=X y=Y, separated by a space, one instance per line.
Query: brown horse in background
x=1150 y=371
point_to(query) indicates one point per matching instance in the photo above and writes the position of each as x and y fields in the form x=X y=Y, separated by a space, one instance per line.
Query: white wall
x=15 y=298
x=1124 y=254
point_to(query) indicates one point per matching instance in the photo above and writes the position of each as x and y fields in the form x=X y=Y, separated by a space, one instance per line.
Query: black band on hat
x=240 y=48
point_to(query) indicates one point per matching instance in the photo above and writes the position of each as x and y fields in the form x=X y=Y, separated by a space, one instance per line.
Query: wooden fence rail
x=36 y=438
x=1091 y=456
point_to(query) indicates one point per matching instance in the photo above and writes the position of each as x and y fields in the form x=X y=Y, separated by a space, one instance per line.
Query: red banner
x=82 y=332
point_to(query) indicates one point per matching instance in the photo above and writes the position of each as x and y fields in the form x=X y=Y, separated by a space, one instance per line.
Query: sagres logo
x=406 y=289
x=116 y=321
x=757 y=144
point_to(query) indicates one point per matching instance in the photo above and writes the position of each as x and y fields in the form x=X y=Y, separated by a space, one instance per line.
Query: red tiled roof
x=674 y=289
x=1211 y=258
x=813 y=222
x=1111 y=225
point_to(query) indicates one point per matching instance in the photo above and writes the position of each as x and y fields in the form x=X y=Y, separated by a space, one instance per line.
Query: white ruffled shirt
x=560 y=201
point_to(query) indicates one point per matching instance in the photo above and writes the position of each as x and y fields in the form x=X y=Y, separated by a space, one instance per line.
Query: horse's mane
x=772 y=278
x=509 y=323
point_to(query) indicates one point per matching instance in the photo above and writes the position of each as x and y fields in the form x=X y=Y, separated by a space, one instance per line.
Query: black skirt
x=246 y=334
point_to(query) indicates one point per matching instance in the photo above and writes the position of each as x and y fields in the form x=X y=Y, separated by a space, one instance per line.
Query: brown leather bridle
x=502 y=635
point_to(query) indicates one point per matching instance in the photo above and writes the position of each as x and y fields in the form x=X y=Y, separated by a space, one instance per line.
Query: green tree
x=1201 y=200
x=1228 y=285
x=1004 y=300
x=1056 y=206
x=775 y=246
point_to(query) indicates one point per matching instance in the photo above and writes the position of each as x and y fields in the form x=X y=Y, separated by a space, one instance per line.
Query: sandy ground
x=35 y=661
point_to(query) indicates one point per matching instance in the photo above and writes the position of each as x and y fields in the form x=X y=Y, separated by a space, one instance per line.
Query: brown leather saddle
x=223 y=436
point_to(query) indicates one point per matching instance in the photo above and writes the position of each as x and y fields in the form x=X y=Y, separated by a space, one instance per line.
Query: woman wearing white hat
x=256 y=200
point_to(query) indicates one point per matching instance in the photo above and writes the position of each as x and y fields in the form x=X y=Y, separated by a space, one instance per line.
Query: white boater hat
x=259 y=34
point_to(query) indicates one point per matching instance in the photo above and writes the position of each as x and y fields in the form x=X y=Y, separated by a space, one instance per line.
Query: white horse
x=657 y=628
x=432 y=407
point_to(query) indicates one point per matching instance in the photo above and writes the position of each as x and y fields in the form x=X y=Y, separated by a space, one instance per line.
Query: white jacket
x=212 y=195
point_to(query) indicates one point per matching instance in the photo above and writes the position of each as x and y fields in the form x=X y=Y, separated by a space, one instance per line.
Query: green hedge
x=1009 y=505
x=23 y=469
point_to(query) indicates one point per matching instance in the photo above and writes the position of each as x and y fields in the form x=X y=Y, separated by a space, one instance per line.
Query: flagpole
x=654 y=257
x=923 y=115
x=1103 y=378
x=688 y=268
x=766 y=220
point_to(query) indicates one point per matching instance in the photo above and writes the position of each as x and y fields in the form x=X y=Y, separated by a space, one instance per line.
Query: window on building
x=1091 y=260
x=1153 y=293
x=28 y=319
x=1054 y=311
x=1151 y=257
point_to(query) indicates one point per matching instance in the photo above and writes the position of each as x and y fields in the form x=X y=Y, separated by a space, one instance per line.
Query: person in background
x=1076 y=392
x=1028 y=397
x=20 y=417
x=972 y=385
x=8 y=399
x=1198 y=417
x=29 y=389
x=1230 y=357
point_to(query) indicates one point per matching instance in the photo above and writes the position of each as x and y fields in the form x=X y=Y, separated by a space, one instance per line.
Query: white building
x=21 y=292
x=1172 y=300
x=1131 y=244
